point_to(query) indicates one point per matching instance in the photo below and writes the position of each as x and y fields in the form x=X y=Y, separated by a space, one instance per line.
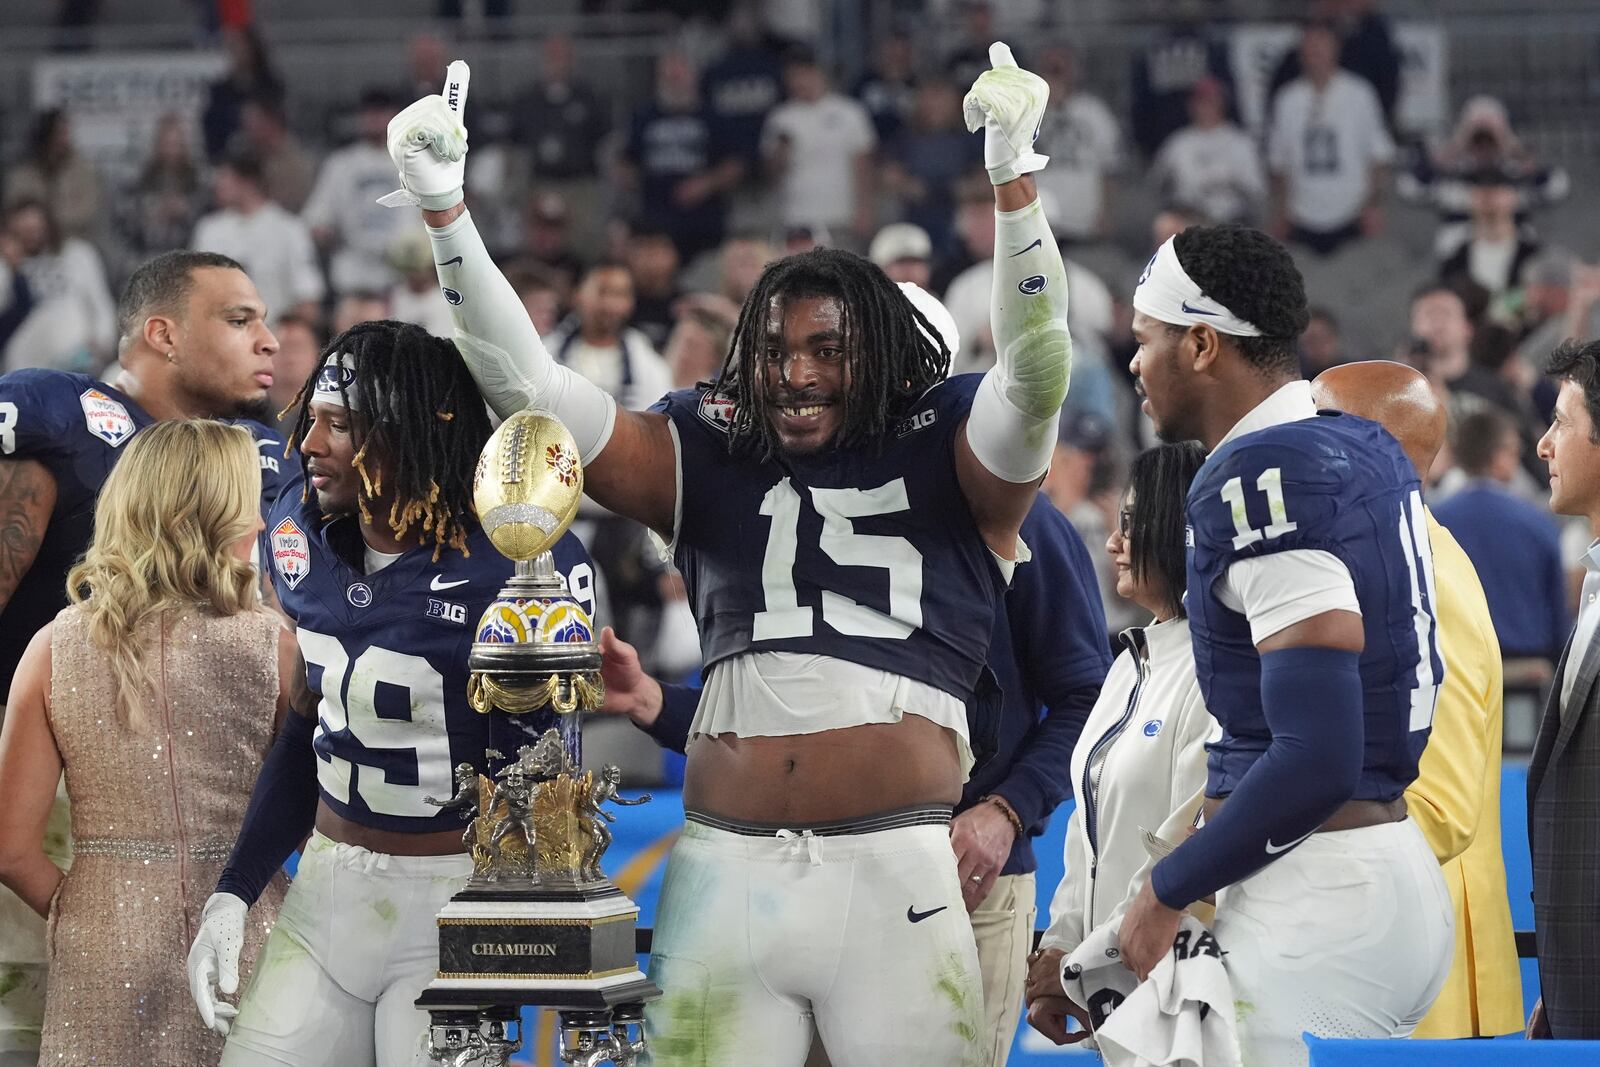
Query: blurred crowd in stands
x=633 y=244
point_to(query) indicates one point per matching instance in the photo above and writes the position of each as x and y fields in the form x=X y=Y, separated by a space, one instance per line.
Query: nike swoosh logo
x=439 y=584
x=1037 y=241
x=1273 y=850
x=1188 y=309
x=265 y=444
x=449 y=262
x=917 y=916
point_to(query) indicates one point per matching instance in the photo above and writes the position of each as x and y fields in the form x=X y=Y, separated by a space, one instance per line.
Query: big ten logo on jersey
x=920 y=421
x=447 y=611
x=717 y=410
x=105 y=418
x=291 y=552
x=268 y=447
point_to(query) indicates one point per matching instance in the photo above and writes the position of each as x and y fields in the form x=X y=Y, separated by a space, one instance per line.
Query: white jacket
x=1141 y=756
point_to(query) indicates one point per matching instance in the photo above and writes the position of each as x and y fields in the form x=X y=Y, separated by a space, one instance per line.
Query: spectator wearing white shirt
x=598 y=343
x=274 y=246
x=1080 y=135
x=1328 y=150
x=1211 y=164
x=69 y=321
x=343 y=211
x=1495 y=252
x=819 y=145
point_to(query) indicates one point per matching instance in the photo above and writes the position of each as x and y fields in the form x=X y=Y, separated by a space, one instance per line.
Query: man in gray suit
x=1564 y=774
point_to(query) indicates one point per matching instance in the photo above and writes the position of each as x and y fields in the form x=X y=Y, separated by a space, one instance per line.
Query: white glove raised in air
x=214 y=957
x=1008 y=102
x=428 y=143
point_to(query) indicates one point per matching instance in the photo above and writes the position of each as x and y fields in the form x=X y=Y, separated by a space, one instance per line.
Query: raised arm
x=1005 y=446
x=629 y=457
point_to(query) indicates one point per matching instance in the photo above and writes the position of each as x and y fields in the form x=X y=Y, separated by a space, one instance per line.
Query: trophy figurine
x=538 y=923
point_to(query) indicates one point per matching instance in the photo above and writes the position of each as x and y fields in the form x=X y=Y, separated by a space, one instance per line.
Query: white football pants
x=354 y=946
x=1349 y=935
x=867 y=932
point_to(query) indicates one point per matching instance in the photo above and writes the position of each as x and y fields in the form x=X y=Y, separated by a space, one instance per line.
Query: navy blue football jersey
x=1338 y=484
x=76 y=427
x=387 y=651
x=868 y=555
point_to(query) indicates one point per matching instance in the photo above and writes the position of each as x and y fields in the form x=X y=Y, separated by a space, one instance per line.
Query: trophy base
x=443 y=996
x=569 y=947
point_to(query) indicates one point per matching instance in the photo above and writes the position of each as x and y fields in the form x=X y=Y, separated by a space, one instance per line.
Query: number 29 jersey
x=387 y=651
x=868 y=555
x=1338 y=484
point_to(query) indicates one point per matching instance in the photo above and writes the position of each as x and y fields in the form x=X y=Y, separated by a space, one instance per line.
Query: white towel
x=1182 y=1016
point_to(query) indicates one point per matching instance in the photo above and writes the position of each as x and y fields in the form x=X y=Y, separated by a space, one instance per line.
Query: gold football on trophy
x=528 y=485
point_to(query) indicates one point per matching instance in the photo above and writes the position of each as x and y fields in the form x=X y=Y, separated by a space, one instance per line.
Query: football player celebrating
x=845 y=521
x=384 y=569
x=1311 y=608
x=193 y=342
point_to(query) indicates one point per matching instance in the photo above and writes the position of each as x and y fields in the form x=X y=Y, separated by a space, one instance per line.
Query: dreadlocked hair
x=891 y=348
x=420 y=410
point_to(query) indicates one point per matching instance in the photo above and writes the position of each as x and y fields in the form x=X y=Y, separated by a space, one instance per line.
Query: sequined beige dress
x=154 y=815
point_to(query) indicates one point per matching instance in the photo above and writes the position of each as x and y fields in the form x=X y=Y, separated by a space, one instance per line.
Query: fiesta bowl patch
x=291 y=552
x=717 y=410
x=106 y=419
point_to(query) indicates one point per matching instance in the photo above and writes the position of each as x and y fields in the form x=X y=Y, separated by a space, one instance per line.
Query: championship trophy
x=538 y=923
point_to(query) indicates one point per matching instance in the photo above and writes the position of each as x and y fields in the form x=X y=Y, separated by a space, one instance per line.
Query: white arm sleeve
x=1277 y=590
x=1012 y=428
x=512 y=367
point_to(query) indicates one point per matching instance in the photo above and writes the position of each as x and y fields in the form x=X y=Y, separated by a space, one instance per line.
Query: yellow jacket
x=1456 y=801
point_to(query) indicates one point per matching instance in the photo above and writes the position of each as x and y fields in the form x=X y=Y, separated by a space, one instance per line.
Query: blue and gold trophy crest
x=538 y=922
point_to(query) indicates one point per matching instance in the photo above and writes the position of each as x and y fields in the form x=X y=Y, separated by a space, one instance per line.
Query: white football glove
x=1008 y=102
x=214 y=956
x=428 y=143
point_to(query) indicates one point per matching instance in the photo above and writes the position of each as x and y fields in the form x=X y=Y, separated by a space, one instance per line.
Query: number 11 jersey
x=868 y=554
x=387 y=651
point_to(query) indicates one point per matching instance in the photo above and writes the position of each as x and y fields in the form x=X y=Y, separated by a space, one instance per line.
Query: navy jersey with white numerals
x=387 y=651
x=868 y=554
x=1338 y=484
x=76 y=427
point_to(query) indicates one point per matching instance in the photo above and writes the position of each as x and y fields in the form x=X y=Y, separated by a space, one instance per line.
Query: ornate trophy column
x=538 y=922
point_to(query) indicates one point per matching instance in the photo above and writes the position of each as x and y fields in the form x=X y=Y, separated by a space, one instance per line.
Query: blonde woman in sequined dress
x=158 y=691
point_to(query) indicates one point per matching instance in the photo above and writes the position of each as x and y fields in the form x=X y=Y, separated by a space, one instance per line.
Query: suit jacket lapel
x=1582 y=690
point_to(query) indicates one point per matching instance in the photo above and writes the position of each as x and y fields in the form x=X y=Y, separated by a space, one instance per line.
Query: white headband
x=338 y=373
x=1166 y=293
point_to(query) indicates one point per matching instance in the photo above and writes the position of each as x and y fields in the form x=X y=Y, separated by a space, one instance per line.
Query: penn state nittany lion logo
x=1148 y=267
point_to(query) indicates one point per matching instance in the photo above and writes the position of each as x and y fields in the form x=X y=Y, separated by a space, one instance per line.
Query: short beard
x=259 y=409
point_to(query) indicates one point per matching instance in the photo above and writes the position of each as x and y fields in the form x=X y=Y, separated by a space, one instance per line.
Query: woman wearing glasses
x=1141 y=755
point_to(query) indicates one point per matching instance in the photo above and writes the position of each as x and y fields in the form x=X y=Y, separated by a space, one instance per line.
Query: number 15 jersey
x=387 y=651
x=868 y=555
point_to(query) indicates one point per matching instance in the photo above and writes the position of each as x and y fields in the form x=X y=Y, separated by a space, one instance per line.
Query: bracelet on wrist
x=1011 y=816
